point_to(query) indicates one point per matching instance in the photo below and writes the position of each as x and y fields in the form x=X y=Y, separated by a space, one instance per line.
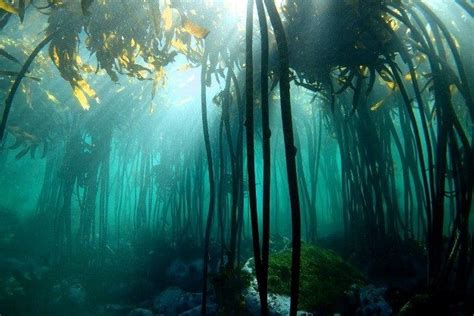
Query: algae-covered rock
x=372 y=301
x=185 y=274
x=174 y=300
x=140 y=312
x=324 y=276
x=278 y=305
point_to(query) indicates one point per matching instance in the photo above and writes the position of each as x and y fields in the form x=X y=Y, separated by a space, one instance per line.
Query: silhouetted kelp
x=387 y=81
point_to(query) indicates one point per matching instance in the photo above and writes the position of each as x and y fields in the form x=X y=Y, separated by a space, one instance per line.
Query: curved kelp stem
x=16 y=84
x=430 y=191
x=265 y=143
x=435 y=20
x=290 y=149
x=210 y=214
x=249 y=120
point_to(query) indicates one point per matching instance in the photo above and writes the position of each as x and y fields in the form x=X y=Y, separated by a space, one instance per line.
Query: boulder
x=174 y=300
x=211 y=309
x=278 y=305
x=185 y=274
x=372 y=301
x=76 y=295
x=140 y=312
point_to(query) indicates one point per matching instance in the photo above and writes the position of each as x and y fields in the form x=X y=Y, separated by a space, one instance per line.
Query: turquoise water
x=126 y=187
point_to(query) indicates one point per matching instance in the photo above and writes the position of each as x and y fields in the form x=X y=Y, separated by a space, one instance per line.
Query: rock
x=118 y=291
x=277 y=304
x=398 y=265
x=252 y=301
x=117 y=308
x=174 y=300
x=186 y=275
x=65 y=295
x=372 y=302
x=140 y=312
x=249 y=266
x=211 y=309
x=133 y=290
x=77 y=295
x=22 y=269
x=10 y=287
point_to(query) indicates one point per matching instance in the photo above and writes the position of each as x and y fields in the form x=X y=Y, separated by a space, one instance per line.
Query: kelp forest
x=231 y=157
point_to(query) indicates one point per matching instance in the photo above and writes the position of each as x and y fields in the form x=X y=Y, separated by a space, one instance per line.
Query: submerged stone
x=77 y=294
x=278 y=305
x=211 y=309
x=185 y=274
x=372 y=301
x=174 y=301
x=140 y=312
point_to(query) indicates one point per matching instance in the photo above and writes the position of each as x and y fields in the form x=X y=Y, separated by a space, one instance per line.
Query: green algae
x=325 y=276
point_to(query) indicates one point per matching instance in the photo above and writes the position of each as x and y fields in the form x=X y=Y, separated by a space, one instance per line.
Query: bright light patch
x=237 y=7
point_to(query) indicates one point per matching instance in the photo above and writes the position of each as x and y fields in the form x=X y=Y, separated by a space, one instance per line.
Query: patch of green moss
x=324 y=276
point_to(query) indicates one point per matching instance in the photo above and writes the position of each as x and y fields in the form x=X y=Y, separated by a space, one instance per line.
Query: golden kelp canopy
x=136 y=39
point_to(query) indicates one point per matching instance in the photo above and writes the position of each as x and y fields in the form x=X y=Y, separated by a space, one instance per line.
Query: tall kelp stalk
x=88 y=219
x=388 y=40
x=210 y=166
x=236 y=174
x=449 y=134
x=265 y=142
x=309 y=217
x=237 y=237
x=221 y=200
x=249 y=124
x=290 y=149
x=366 y=169
x=69 y=175
x=395 y=97
x=314 y=159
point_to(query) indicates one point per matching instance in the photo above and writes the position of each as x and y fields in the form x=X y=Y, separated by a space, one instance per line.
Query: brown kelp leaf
x=387 y=77
x=160 y=77
x=392 y=85
x=56 y=58
x=8 y=7
x=453 y=89
x=194 y=29
x=83 y=91
x=179 y=45
x=85 y=87
x=364 y=71
x=167 y=18
x=385 y=74
x=81 y=97
x=51 y=97
x=377 y=105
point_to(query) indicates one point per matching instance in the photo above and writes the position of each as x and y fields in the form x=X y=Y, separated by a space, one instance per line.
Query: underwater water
x=231 y=157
